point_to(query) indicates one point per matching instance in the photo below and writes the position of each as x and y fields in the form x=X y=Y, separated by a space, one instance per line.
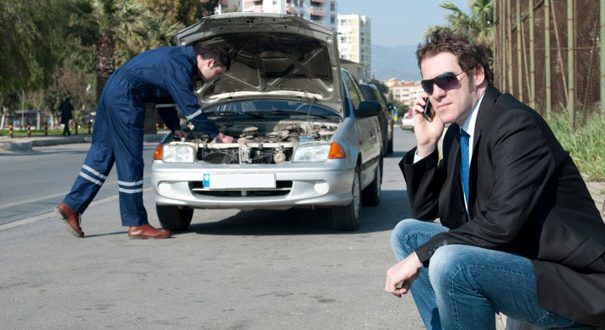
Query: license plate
x=239 y=181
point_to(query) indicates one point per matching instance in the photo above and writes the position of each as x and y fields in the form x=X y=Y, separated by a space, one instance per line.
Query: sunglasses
x=445 y=81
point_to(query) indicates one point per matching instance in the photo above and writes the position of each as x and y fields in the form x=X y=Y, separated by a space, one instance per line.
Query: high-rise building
x=355 y=41
x=319 y=11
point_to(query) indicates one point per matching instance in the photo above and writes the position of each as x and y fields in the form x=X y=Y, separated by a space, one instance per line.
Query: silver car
x=304 y=137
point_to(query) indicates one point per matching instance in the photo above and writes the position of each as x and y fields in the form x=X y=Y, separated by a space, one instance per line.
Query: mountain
x=395 y=62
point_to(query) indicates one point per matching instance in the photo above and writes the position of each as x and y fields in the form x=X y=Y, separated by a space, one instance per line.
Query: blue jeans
x=464 y=286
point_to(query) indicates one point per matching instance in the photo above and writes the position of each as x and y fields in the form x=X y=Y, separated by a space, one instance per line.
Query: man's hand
x=224 y=138
x=427 y=132
x=180 y=134
x=400 y=277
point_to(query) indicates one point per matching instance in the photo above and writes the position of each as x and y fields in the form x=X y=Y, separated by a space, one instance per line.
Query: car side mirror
x=368 y=109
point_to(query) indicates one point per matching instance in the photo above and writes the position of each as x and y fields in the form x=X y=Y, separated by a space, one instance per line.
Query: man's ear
x=210 y=63
x=479 y=76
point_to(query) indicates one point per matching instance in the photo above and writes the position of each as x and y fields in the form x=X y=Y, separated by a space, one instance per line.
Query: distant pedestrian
x=118 y=132
x=66 y=109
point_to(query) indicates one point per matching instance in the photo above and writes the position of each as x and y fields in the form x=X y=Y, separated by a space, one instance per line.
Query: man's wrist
x=424 y=151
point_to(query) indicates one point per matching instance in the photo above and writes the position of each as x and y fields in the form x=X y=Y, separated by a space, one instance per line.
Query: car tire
x=371 y=195
x=346 y=218
x=174 y=218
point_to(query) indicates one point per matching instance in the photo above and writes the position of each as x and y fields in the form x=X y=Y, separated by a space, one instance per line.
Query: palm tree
x=122 y=31
x=479 y=25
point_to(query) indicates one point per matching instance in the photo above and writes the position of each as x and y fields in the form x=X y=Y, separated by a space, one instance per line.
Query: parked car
x=407 y=121
x=385 y=118
x=304 y=136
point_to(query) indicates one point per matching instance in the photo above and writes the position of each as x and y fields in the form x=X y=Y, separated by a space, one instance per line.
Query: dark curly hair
x=219 y=55
x=470 y=55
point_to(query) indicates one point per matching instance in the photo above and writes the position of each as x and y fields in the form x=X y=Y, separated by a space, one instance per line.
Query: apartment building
x=319 y=11
x=227 y=6
x=403 y=92
x=355 y=42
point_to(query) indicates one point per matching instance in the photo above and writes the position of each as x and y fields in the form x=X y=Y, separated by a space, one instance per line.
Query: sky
x=399 y=22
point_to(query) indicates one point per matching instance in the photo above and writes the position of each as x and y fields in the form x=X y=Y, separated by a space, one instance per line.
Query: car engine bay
x=261 y=143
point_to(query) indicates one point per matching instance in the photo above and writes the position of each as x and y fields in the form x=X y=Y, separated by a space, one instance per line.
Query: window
x=353 y=90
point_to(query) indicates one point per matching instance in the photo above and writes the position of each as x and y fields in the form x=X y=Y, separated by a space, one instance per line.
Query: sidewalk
x=27 y=144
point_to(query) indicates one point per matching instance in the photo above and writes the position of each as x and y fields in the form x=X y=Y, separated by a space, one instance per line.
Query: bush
x=586 y=144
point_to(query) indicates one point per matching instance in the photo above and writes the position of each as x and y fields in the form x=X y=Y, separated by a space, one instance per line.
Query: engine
x=267 y=143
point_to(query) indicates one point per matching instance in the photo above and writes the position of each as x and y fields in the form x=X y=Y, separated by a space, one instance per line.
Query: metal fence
x=548 y=53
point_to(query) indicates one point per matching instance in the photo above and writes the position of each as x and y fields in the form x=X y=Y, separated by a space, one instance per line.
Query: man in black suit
x=519 y=233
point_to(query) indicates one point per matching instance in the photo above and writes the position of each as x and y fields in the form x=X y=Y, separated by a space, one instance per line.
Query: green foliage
x=55 y=48
x=28 y=33
x=586 y=143
x=479 y=25
x=380 y=85
x=22 y=133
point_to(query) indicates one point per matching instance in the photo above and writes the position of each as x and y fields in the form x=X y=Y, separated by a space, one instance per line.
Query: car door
x=368 y=133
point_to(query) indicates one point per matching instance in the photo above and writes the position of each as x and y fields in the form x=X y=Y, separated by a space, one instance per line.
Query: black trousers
x=66 y=129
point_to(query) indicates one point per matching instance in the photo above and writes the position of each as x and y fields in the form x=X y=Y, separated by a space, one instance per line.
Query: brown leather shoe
x=70 y=218
x=147 y=231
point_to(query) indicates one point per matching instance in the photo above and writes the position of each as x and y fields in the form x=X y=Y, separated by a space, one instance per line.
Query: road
x=233 y=270
x=33 y=183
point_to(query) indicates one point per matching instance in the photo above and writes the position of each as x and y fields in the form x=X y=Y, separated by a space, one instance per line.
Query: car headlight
x=311 y=152
x=178 y=153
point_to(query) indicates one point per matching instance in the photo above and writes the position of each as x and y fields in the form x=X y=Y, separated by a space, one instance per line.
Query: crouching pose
x=518 y=232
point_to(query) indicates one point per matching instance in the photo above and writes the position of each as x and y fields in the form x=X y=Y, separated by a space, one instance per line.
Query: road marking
x=9 y=205
x=6 y=206
x=52 y=214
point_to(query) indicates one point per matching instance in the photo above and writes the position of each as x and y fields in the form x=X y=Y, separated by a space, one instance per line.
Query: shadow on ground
x=393 y=208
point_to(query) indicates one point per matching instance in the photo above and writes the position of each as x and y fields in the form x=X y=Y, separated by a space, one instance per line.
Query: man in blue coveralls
x=118 y=131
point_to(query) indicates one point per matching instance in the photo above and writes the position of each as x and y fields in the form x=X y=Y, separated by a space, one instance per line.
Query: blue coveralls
x=118 y=129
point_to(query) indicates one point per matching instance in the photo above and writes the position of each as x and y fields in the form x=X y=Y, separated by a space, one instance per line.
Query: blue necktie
x=464 y=169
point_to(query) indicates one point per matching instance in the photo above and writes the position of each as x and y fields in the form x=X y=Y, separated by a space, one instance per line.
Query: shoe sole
x=69 y=228
x=147 y=237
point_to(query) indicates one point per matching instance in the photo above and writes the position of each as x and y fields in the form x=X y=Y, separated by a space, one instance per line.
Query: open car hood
x=272 y=55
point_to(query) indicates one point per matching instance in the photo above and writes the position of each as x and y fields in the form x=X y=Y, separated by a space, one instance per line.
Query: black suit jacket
x=526 y=197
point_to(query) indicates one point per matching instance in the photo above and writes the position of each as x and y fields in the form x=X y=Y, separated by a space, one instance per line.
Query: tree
x=380 y=85
x=28 y=34
x=479 y=25
x=128 y=27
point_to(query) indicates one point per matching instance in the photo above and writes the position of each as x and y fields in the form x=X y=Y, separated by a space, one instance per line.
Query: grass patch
x=586 y=144
x=51 y=132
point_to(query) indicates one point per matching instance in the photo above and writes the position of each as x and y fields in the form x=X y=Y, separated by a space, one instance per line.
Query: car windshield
x=267 y=108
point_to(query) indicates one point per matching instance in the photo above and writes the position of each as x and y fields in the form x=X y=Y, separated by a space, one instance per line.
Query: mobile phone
x=428 y=110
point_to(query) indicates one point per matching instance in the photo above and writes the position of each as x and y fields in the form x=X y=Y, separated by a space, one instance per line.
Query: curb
x=28 y=144
x=16 y=146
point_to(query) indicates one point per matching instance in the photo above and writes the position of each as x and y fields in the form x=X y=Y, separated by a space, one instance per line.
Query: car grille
x=281 y=188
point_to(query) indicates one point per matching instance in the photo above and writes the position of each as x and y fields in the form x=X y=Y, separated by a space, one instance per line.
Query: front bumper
x=296 y=185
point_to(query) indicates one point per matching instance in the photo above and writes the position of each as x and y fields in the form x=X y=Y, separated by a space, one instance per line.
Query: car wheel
x=372 y=193
x=347 y=217
x=173 y=217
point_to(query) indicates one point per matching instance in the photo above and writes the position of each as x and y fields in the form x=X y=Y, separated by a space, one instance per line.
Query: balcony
x=292 y=11
x=317 y=11
x=317 y=1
